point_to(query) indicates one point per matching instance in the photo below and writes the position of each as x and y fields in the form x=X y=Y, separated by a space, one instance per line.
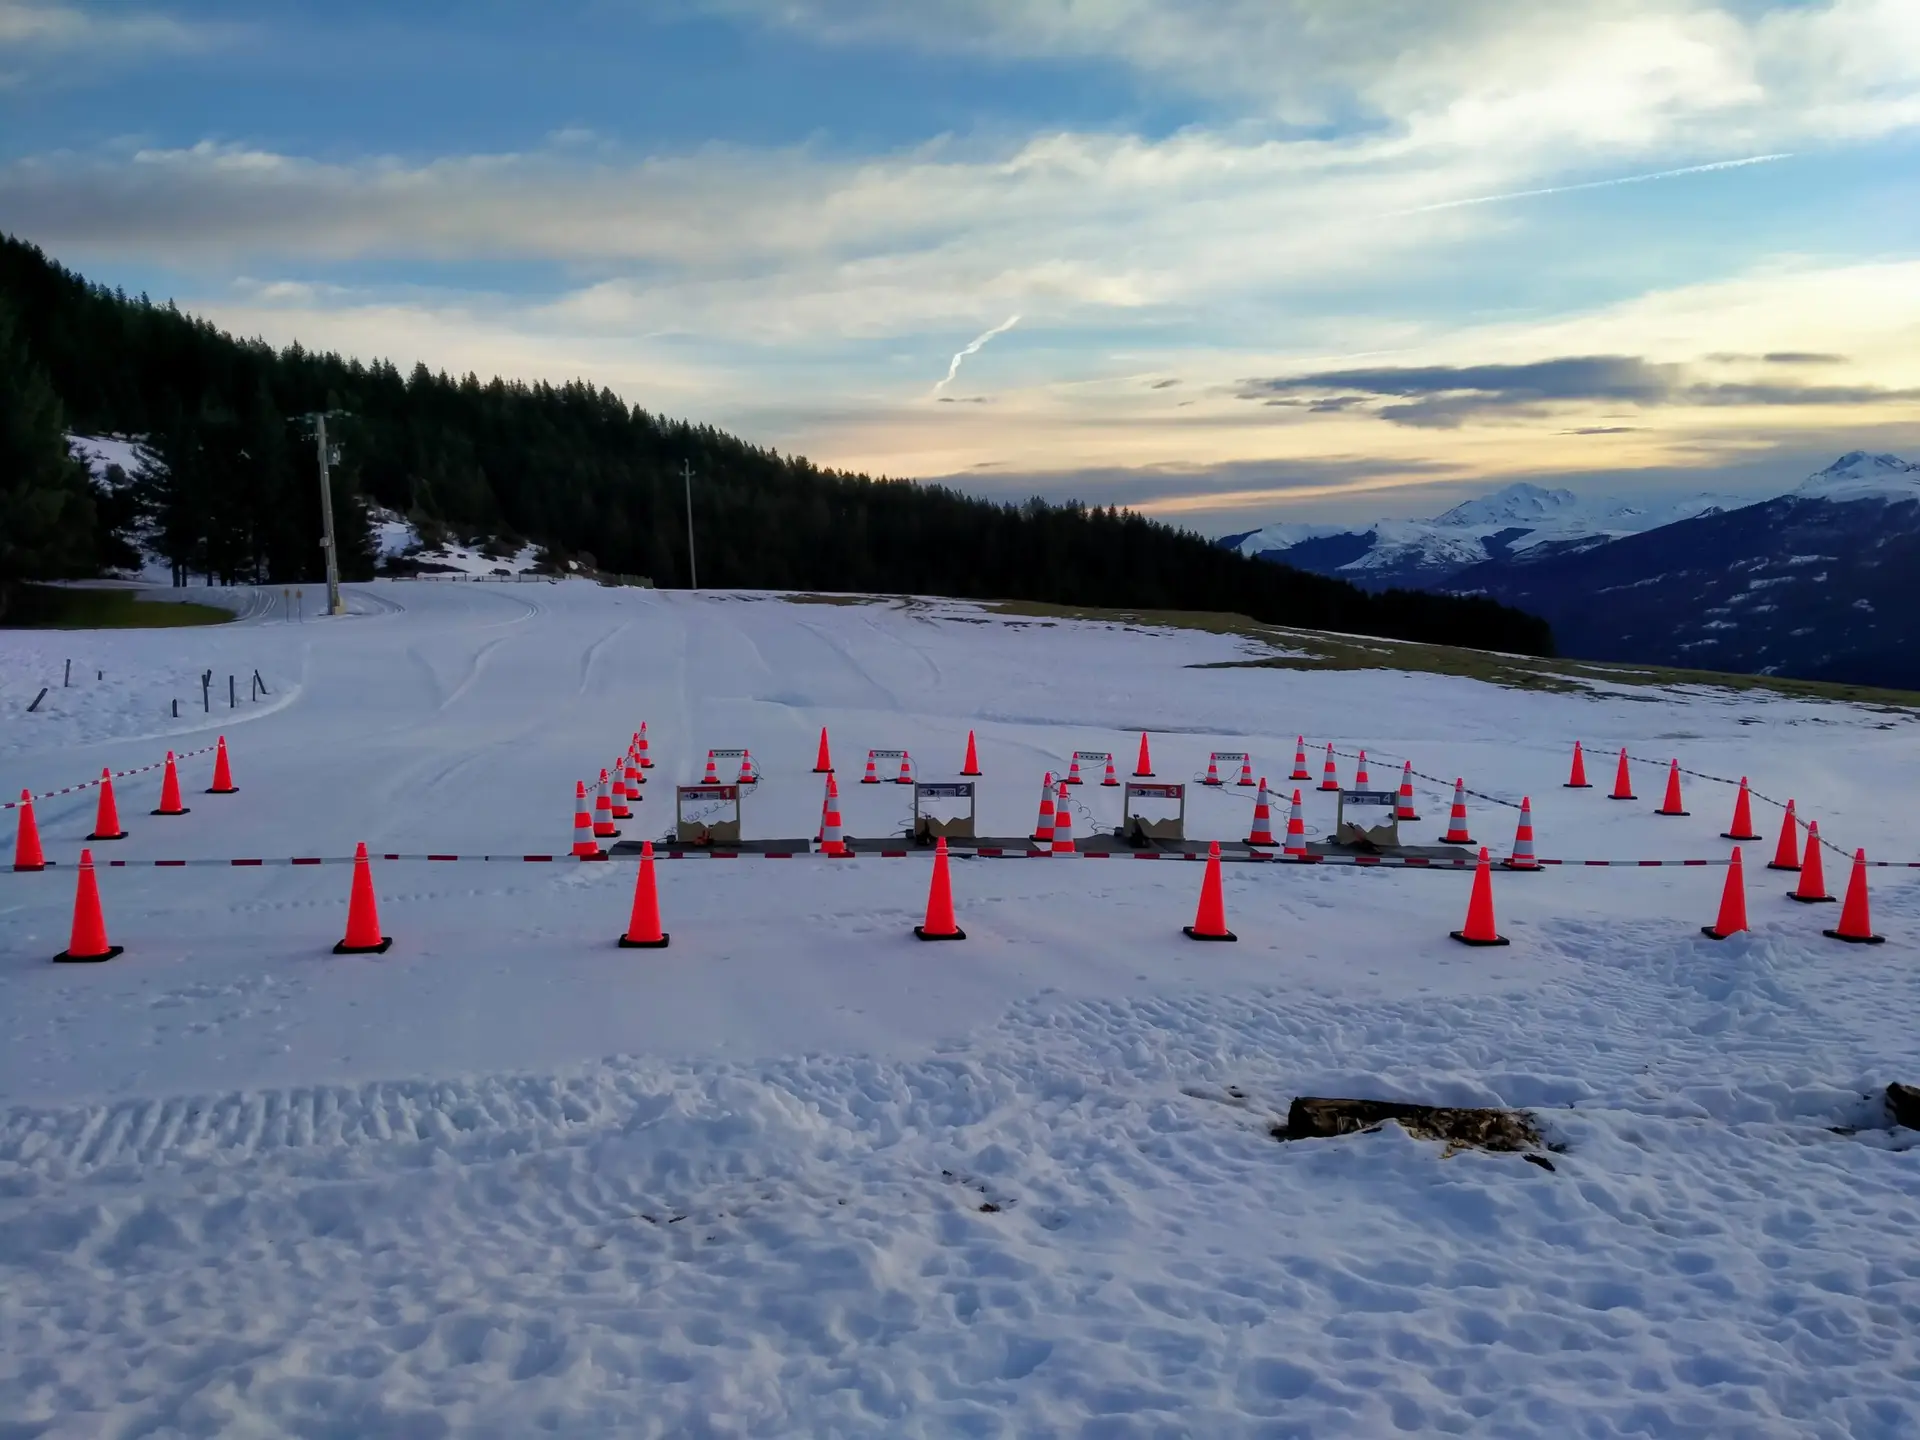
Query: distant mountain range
x=1819 y=583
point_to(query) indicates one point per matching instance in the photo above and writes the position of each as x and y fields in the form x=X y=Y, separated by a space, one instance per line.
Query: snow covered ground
x=799 y=1174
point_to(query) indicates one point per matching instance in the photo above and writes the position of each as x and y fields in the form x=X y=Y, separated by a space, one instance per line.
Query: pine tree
x=46 y=501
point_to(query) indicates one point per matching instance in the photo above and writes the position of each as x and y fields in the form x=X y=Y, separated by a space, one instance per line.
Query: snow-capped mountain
x=1522 y=521
x=1815 y=583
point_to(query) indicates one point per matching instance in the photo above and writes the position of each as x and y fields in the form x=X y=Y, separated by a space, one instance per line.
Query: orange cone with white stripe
x=1063 y=822
x=1300 y=760
x=831 y=842
x=1523 y=857
x=1112 y=782
x=1262 y=832
x=1043 y=830
x=1073 y=772
x=823 y=762
x=27 y=854
x=1143 y=770
x=1786 y=855
x=1856 y=925
x=630 y=766
x=1671 y=805
x=1330 y=779
x=1742 y=817
x=1577 y=778
x=640 y=745
x=1246 y=771
x=1403 y=807
x=643 y=928
x=939 y=924
x=972 y=765
x=1733 y=903
x=1210 y=921
x=1457 y=819
x=1480 y=929
x=106 y=820
x=1622 y=780
x=584 y=845
x=363 y=912
x=905 y=777
x=748 y=775
x=620 y=810
x=170 y=791
x=712 y=777
x=1213 y=772
x=1360 y=777
x=222 y=772
x=603 y=826
x=1296 y=830
x=88 y=941
x=872 y=777
x=1812 y=889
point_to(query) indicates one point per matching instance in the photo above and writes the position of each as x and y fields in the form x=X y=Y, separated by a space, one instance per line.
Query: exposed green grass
x=1319 y=650
x=60 y=607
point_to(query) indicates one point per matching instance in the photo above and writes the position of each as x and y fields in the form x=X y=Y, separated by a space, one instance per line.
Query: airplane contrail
x=1597 y=184
x=954 y=368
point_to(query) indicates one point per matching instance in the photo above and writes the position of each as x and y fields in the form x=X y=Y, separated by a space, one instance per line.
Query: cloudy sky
x=1223 y=260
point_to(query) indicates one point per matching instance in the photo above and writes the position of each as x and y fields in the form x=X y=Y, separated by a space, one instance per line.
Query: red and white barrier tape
x=179 y=755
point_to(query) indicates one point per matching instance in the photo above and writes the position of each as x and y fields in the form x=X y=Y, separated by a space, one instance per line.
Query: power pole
x=326 y=518
x=693 y=566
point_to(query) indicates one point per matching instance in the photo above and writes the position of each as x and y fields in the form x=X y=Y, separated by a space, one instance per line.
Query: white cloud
x=27 y=27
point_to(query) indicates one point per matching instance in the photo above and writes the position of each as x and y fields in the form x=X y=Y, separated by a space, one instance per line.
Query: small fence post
x=176 y=707
x=232 y=694
x=37 y=699
x=69 y=676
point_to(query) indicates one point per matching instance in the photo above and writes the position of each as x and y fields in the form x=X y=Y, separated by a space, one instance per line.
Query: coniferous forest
x=572 y=468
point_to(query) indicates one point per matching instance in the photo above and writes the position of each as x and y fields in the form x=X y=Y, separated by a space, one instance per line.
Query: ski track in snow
x=509 y=1180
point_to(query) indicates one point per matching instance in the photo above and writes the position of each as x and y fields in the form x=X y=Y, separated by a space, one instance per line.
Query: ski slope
x=798 y=1174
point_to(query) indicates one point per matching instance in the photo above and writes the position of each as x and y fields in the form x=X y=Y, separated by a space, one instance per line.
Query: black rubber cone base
x=1674 y=814
x=386 y=942
x=1193 y=934
x=1743 y=839
x=1855 y=939
x=1533 y=867
x=828 y=770
x=183 y=810
x=1461 y=936
x=1773 y=865
x=1813 y=899
x=660 y=944
x=98 y=836
x=1583 y=785
x=920 y=933
x=1713 y=934
x=230 y=790
x=1623 y=797
x=67 y=957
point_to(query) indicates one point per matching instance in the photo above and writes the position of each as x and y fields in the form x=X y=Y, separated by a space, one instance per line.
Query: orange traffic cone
x=170 y=791
x=1856 y=926
x=1112 y=782
x=1403 y=808
x=630 y=766
x=1480 y=929
x=1622 y=780
x=831 y=842
x=1262 y=832
x=106 y=820
x=823 y=762
x=620 y=810
x=1671 y=805
x=872 y=777
x=1742 y=817
x=1043 y=830
x=89 y=939
x=905 y=777
x=27 y=854
x=748 y=775
x=1330 y=780
x=1063 y=822
x=1143 y=770
x=940 y=924
x=1213 y=772
x=363 y=913
x=585 y=847
x=1360 y=777
x=222 y=772
x=1786 y=855
x=646 y=759
x=1457 y=819
x=972 y=765
x=1300 y=760
x=712 y=777
x=1073 y=771
x=643 y=929
x=1812 y=889
x=1523 y=856
x=1296 y=830
x=1210 y=923
x=1733 y=903
x=603 y=826
x=1577 y=780
x=1246 y=771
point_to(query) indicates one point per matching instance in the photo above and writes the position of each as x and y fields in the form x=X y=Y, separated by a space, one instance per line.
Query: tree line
x=570 y=467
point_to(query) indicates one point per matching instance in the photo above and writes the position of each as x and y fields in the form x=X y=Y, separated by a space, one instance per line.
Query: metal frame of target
x=929 y=828
x=705 y=830
x=1132 y=822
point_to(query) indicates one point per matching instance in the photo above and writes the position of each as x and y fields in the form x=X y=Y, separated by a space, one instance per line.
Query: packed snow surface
x=798 y=1174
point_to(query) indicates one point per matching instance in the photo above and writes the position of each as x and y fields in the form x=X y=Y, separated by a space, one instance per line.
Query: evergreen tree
x=46 y=497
